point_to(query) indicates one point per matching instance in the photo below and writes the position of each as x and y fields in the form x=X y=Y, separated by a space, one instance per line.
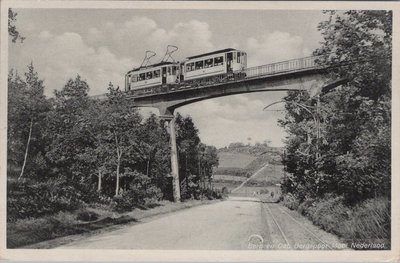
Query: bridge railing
x=284 y=66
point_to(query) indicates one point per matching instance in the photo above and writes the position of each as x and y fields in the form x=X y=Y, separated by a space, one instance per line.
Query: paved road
x=223 y=225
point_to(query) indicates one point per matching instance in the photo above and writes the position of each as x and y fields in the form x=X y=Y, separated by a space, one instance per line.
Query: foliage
x=197 y=160
x=341 y=179
x=349 y=155
x=79 y=151
x=233 y=171
x=368 y=221
x=32 y=199
x=12 y=29
x=26 y=121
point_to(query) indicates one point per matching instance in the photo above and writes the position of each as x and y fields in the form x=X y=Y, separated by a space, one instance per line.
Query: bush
x=369 y=221
x=31 y=199
x=306 y=206
x=234 y=171
x=290 y=201
x=28 y=231
x=87 y=216
x=137 y=197
x=210 y=194
x=328 y=213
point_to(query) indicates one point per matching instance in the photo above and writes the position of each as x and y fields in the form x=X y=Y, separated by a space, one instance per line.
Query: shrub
x=87 y=216
x=28 y=199
x=234 y=171
x=306 y=206
x=32 y=230
x=328 y=213
x=137 y=197
x=369 y=221
x=210 y=194
x=290 y=201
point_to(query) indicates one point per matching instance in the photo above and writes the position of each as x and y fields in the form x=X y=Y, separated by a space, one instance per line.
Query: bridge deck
x=264 y=71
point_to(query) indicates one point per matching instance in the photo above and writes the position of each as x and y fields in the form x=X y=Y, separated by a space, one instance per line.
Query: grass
x=55 y=229
x=224 y=177
x=272 y=158
x=234 y=160
x=272 y=174
x=366 y=223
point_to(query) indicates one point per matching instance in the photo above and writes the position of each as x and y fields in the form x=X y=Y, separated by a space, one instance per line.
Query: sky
x=101 y=45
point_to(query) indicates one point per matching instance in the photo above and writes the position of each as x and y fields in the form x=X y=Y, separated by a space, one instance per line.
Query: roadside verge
x=65 y=231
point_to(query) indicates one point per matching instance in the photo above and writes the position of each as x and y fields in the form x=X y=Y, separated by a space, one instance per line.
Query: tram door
x=229 y=58
x=164 y=75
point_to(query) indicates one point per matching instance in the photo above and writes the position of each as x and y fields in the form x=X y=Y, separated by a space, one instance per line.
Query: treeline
x=338 y=152
x=71 y=150
x=256 y=149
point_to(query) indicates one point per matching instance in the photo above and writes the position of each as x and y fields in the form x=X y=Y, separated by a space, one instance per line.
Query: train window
x=169 y=70
x=199 y=64
x=156 y=73
x=189 y=67
x=141 y=77
x=133 y=78
x=234 y=56
x=149 y=75
x=238 y=57
x=208 y=63
x=218 y=61
x=173 y=70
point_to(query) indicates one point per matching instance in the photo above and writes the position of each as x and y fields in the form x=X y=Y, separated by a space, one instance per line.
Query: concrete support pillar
x=174 y=162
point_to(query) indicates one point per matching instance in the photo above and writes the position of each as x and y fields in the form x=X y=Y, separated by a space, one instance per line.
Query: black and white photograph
x=209 y=127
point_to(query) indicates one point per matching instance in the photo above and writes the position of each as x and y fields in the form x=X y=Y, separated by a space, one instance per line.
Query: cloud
x=138 y=34
x=60 y=57
x=107 y=52
x=274 y=47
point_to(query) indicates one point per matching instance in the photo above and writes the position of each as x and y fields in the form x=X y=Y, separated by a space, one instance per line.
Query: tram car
x=146 y=78
x=213 y=67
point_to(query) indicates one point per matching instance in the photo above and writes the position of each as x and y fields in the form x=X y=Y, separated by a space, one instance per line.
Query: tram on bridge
x=200 y=70
x=208 y=69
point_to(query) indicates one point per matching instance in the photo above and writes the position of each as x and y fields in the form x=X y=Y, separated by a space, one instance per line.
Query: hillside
x=234 y=159
x=238 y=162
x=243 y=160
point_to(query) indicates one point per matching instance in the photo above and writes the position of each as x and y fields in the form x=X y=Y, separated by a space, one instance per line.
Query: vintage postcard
x=199 y=131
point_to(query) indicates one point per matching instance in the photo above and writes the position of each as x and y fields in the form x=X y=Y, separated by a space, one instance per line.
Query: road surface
x=239 y=223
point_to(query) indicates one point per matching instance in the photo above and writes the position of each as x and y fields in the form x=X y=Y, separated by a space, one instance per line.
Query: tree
x=208 y=160
x=118 y=127
x=196 y=159
x=351 y=157
x=27 y=109
x=187 y=140
x=155 y=148
x=12 y=29
x=67 y=136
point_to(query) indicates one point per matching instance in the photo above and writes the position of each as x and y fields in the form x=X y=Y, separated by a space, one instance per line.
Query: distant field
x=234 y=160
x=223 y=177
x=272 y=173
x=236 y=167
